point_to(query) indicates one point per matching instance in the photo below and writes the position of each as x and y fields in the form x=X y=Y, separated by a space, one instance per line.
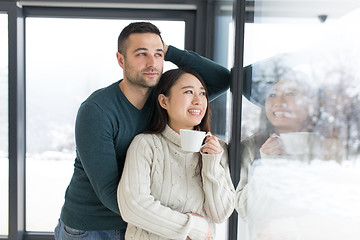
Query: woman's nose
x=196 y=99
x=280 y=101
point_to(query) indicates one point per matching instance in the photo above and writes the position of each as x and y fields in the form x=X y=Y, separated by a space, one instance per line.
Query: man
x=108 y=121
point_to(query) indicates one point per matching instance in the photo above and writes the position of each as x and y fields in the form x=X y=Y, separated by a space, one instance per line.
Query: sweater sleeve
x=247 y=157
x=139 y=207
x=217 y=78
x=95 y=148
x=217 y=185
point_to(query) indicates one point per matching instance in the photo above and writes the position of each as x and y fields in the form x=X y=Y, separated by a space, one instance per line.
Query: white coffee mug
x=296 y=143
x=191 y=140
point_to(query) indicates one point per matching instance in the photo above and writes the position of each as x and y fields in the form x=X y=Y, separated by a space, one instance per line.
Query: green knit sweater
x=105 y=125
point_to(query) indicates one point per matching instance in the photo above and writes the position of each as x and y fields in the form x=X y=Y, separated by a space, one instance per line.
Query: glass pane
x=4 y=127
x=66 y=60
x=300 y=176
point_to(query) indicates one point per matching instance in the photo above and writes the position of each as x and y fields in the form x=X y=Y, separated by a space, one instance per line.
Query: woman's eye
x=290 y=94
x=189 y=91
x=272 y=95
x=203 y=93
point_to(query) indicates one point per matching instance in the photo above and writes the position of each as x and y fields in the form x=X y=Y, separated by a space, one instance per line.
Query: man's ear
x=121 y=59
x=163 y=101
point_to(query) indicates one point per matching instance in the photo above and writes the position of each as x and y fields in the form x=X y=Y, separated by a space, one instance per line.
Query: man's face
x=143 y=59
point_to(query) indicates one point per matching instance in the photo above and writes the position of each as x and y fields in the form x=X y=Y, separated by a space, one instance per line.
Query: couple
x=164 y=193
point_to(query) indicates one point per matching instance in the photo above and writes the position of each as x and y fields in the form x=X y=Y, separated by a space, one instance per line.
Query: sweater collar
x=170 y=134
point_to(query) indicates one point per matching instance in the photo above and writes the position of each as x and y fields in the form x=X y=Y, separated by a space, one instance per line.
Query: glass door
x=300 y=148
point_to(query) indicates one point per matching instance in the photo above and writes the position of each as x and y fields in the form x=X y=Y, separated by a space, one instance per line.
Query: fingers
x=196 y=214
x=165 y=48
x=209 y=233
x=212 y=145
x=208 y=237
x=272 y=146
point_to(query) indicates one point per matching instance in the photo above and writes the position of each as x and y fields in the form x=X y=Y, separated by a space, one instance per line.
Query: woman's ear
x=163 y=101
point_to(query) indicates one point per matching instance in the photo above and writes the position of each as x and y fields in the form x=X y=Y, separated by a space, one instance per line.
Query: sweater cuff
x=267 y=156
x=199 y=227
x=211 y=161
x=241 y=203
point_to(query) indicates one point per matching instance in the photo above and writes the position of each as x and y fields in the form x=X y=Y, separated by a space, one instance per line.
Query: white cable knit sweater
x=159 y=189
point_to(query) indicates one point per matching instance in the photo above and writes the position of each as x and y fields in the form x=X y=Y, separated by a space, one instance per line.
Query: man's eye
x=272 y=95
x=141 y=54
x=158 y=55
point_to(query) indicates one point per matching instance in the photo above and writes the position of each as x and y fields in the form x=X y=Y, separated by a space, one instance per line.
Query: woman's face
x=287 y=107
x=187 y=103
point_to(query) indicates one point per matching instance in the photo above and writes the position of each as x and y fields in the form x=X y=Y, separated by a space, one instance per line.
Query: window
x=4 y=127
x=66 y=60
x=300 y=127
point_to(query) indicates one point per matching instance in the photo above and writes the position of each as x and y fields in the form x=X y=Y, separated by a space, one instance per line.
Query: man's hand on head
x=165 y=48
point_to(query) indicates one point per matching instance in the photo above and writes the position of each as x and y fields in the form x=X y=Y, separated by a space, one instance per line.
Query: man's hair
x=135 y=27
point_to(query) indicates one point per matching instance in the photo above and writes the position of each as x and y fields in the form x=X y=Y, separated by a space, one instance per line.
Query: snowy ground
x=46 y=184
x=294 y=200
x=4 y=175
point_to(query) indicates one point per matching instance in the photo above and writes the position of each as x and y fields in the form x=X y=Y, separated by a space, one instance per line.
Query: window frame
x=236 y=88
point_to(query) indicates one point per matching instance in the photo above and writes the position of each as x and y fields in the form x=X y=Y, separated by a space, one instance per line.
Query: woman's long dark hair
x=167 y=80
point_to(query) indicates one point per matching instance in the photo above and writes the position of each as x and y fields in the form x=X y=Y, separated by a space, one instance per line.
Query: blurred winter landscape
x=291 y=199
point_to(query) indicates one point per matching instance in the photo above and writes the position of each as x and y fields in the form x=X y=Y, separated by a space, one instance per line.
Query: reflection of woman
x=287 y=109
x=164 y=192
x=274 y=195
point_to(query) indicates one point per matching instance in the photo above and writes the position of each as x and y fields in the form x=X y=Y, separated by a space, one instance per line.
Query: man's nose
x=151 y=63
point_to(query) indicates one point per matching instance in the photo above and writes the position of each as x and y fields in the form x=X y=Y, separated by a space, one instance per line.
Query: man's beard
x=140 y=80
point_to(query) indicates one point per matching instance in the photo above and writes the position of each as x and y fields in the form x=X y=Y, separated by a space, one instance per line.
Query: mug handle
x=207 y=134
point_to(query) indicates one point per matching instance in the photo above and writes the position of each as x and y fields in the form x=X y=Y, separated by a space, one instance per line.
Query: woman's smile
x=196 y=112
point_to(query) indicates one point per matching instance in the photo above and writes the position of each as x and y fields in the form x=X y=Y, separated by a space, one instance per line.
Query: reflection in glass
x=300 y=171
x=66 y=59
x=4 y=127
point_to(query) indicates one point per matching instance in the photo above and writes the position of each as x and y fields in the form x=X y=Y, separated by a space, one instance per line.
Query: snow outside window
x=300 y=175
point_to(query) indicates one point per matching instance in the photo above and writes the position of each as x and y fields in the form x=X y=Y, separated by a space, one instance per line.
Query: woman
x=273 y=197
x=164 y=192
x=288 y=108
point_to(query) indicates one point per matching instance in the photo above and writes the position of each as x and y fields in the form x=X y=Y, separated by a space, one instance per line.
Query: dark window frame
x=236 y=88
